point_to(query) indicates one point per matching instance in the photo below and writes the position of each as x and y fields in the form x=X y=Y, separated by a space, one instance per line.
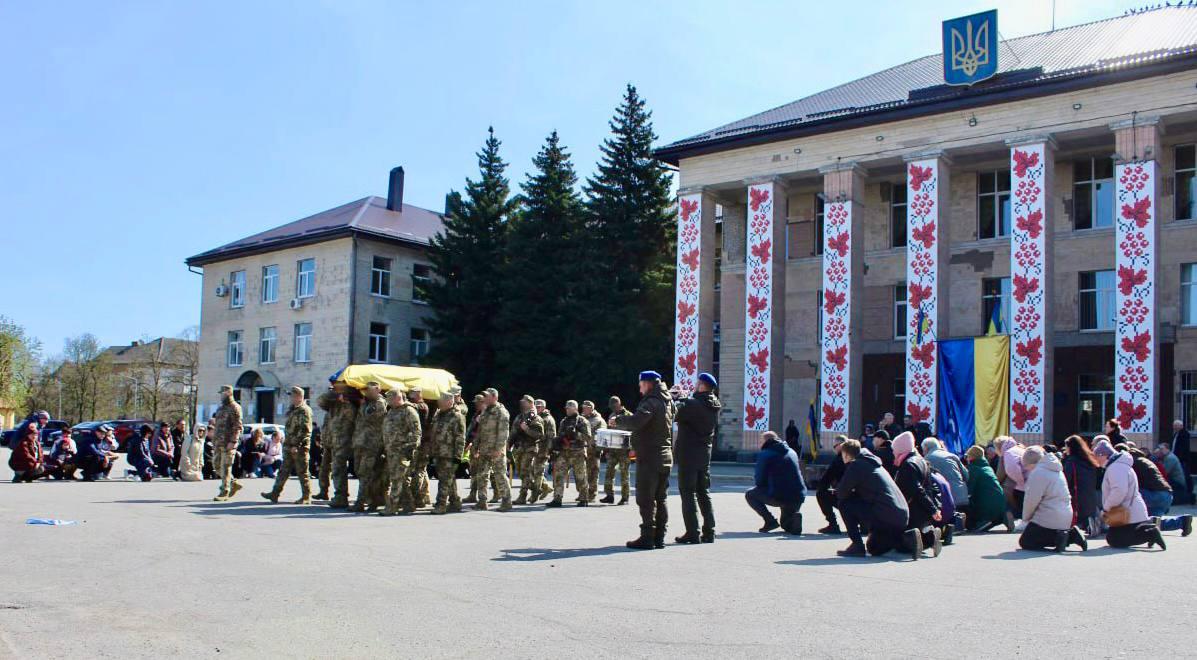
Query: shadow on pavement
x=264 y=508
x=146 y=502
x=841 y=561
x=743 y=535
x=549 y=554
x=1017 y=554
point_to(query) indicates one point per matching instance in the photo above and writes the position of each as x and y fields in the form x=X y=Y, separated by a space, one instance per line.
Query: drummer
x=618 y=458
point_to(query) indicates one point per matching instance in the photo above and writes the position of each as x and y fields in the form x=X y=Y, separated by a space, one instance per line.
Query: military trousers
x=225 y=460
x=652 y=490
x=592 y=472
x=326 y=462
x=489 y=467
x=525 y=465
x=446 y=486
x=338 y=457
x=694 y=484
x=570 y=460
x=371 y=467
x=539 y=463
x=399 y=481
x=617 y=459
x=294 y=458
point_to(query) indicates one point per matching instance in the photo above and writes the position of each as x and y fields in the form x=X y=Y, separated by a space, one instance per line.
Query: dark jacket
x=886 y=454
x=866 y=479
x=652 y=428
x=1181 y=445
x=139 y=453
x=778 y=473
x=920 y=491
x=696 y=419
x=1148 y=474
x=1082 y=486
x=834 y=471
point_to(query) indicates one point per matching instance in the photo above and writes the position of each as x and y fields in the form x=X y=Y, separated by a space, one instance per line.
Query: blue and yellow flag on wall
x=974 y=391
x=995 y=321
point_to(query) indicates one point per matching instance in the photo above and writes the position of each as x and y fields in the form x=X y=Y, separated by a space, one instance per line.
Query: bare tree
x=85 y=376
x=185 y=358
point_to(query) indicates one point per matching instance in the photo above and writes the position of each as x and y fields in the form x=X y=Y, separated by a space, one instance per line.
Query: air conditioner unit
x=221 y=291
x=296 y=303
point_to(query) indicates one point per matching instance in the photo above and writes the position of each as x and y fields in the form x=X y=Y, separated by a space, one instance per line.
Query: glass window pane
x=986 y=217
x=1088 y=310
x=1082 y=206
x=1188 y=295
x=1003 y=180
x=1004 y=215
x=1103 y=198
x=985 y=182
x=1082 y=170
x=1185 y=157
x=1185 y=195
x=1103 y=168
x=898 y=225
x=899 y=192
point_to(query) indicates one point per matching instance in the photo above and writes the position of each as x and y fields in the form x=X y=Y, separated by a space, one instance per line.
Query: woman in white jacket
x=1120 y=492
x=191 y=459
x=1047 y=505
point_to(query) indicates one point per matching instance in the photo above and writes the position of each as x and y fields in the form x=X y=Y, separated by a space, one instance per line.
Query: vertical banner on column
x=922 y=288
x=1028 y=281
x=689 y=256
x=834 y=372
x=1134 y=340
x=758 y=307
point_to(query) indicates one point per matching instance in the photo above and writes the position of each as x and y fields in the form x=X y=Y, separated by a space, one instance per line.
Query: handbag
x=1117 y=516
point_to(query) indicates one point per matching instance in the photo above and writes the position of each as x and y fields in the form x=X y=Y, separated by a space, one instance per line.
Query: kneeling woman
x=1125 y=512
x=1047 y=506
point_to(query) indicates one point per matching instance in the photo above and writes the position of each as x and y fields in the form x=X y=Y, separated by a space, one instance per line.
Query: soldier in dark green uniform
x=616 y=458
x=652 y=440
x=297 y=440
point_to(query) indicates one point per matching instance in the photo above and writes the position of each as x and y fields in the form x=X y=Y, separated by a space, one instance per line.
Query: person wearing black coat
x=825 y=495
x=696 y=419
x=867 y=495
x=922 y=498
x=1080 y=468
x=1182 y=447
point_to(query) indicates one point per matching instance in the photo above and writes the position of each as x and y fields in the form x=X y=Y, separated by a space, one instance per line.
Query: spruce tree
x=633 y=234
x=542 y=314
x=467 y=257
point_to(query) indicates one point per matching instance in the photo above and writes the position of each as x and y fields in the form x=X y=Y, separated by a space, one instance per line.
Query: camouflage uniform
x=338 y=444
x=596 y=422
x=544 y=454
x=368 y=459
x=401 y=432
x=226 y=435
x=446 y=446
x=617 y=458
x=572 y=437
x=525 y=448
x=418 y=474
x=297 y=440
x=490 y=451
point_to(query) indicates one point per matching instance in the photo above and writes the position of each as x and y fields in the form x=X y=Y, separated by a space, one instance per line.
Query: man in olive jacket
x=652 y=439
x=696 y=420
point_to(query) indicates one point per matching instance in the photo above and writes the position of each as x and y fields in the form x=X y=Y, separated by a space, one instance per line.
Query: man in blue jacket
x=778 y=483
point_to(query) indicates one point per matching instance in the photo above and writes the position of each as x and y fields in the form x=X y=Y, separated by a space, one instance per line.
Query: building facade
x=826 y=246
x=296 y=304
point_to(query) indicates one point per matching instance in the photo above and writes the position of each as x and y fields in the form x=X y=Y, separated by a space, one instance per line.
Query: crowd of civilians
x=160 y=451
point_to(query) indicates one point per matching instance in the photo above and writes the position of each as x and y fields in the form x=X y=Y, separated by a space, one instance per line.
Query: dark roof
x=368 y=216
x=140 y=352
x=1133 y=41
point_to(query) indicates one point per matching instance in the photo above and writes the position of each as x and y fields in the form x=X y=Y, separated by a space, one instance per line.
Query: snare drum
x=613 y=439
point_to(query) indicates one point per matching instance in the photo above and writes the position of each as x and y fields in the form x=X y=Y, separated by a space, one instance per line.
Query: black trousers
x=1125 y=536
x=826 y=499
x=882 y=537
x=760 y=502
x=1037 y=537
x=694 y=483
x=652 y=489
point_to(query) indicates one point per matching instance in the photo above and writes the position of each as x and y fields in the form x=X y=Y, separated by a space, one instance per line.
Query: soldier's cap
x=588 y=403
x=226 y=388
x=539 y=402
x=571 y=404
x=373 y=383
x=528 y=398
x=295 y=389
x=650 y=375
x=394 y=393
x=455 y=390
x=414 y=388
x=614 y=400
x=707 y=378
x=490 y=391
x=479 y=397
x=446 y=396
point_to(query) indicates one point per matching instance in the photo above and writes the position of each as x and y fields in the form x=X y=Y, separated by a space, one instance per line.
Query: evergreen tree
x=633 y=234
x=542 y=313
x=467 y=257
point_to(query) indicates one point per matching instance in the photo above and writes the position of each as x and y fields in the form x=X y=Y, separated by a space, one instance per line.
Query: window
x=897 y=215
x=995 y=294
x=718 y=339
x=380 y=277
x=1188 y=398
x=1093 y=193
x=1097 y=300
x=421 y=341
x=421 y=277
x=237 y=289
x=1095 y=402
x=819 y=318
x=899 y=408
x=236 y=352
x=819 y=214
x=993 y=204
x=1188 y=294
x=305 y=279
x=378 y=342
x=303 y=342
x=270 y=283
x=900 y=311
x=267 y=340
x=1186 y=182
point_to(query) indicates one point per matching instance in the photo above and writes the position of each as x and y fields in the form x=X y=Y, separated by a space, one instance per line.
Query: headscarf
x=903 y=446
x=1102 y=447
x=974 y=453
x=1005 y=443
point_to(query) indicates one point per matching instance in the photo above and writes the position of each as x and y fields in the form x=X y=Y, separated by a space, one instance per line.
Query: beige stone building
x=1081 y=148
x=295 y=304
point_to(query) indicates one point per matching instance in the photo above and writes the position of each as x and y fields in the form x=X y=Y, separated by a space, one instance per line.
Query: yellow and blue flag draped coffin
x=974 y=391
x=430 y=381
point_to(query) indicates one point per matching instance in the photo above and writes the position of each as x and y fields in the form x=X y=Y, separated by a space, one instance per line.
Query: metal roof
x=368 y=216
x=1129 y=41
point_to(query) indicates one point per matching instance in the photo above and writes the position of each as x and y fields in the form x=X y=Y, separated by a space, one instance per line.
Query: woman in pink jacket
x=1120 y=488
x=1015 y=482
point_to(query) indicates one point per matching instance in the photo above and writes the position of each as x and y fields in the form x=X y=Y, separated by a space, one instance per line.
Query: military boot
x=233 y=491
x=494 y=498
x=339 y=503
x=358 y=507
x=623 y=500
x=506 y=504
x=480 y=505
x=455 y=506
x=272 y=496
x=322 y=495
x=644 y=541
x=221 y=497
x=553 y=503
x=659 y=538
x=304 y=499
x=472 y=498
x=609 y=499
x=408 y=509
x=545 y=488
x=523 y=498
x=439 y=509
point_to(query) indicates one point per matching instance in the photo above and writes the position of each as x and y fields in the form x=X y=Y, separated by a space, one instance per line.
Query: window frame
x=1188 y=398
x=268 y=344
x=1188 y=295
x=378 y=348
x=237 y=286
x=420 y=282
x=1191 y=174
x=1107 y=404
x=820 y=229
x=301 y=276
x=1001 y=201
x=414 y=344
x=1097 y=292
x=270 y=281
x=380 y=276
x=300 y=338
x=900 y=309
x=894 y=204
x=1092 y=183
x=1004 y=296
x=234 y=346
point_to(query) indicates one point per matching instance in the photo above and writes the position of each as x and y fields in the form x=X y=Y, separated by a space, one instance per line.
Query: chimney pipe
x=395 y=190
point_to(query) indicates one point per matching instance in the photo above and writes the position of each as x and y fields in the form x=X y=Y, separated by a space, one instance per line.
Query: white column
x=926 y=253
x=764 y=300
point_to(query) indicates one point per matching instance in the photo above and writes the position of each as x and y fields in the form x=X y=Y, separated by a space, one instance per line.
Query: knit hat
x=974 y=453
x=903 y=445
x=1102 y=447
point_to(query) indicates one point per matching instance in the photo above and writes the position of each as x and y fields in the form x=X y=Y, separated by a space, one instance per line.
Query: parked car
x=50 y=434
x=267 y=430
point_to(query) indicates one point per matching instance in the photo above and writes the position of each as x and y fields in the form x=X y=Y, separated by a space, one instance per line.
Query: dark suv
x=50 y=433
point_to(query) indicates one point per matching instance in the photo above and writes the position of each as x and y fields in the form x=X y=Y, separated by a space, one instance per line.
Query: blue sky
x=137 y=134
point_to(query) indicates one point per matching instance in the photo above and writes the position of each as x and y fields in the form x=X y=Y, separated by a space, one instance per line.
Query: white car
x=267 y=430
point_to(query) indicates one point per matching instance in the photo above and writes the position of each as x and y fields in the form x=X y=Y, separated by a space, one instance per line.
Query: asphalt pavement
x=159 y=570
